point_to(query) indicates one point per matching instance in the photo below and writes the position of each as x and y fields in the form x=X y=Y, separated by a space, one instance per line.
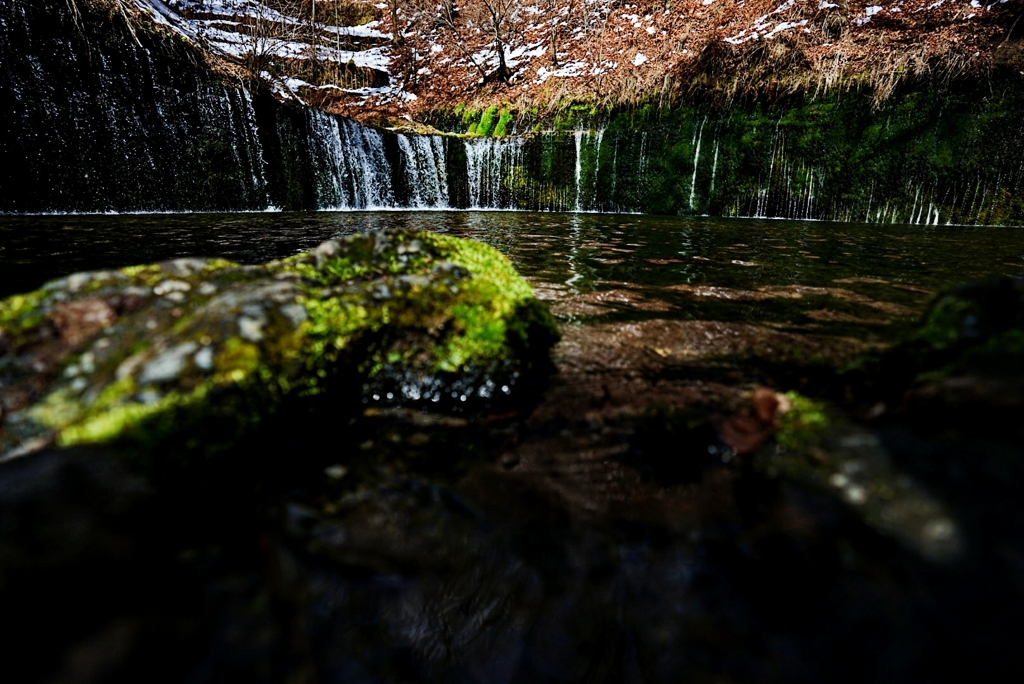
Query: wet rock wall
x=933 y=154
x=98 y=116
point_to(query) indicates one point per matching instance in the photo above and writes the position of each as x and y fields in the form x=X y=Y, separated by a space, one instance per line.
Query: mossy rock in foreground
x=975 y=330
x=197 y=352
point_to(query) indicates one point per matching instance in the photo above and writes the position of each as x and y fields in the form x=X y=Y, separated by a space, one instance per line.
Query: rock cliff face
x=98 y=116
x=101 y=113
x=931 y=156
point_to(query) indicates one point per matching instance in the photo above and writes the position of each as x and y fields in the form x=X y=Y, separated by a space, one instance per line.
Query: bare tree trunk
x=448 y=18
x=555 y=21
x=500 y=16
x=504 y=73
x=396 y=33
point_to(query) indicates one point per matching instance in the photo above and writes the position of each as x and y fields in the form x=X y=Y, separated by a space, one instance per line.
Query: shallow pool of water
x=596 y=264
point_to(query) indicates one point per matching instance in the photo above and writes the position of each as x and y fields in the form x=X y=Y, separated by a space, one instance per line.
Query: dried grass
x=692 y=61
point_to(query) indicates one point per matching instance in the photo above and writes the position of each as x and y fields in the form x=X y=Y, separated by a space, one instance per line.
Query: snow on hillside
x=535 y=52
x=279 y=45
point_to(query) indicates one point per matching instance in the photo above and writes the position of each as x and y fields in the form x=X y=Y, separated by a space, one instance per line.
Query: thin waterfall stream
x=356 y=167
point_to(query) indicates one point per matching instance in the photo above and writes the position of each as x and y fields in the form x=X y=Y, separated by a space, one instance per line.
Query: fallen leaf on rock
x=747 y=429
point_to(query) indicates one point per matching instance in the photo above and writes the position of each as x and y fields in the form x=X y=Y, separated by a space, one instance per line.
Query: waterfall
x=597 y=167
x=438 y=153
x=579 y=166
x=764 y=194
x=252 y=138
x=714 y=171
x=478 y=161
x=412 y=172
x=494 y=169
x=146 y=128
x=914 y=207
x=426 y=173
x=643 y=152
x=696 y=161
x=810 y=196
x=334 y=187
x=142 y=125
x=615 y=166
x=368 y=165
x=349 y=163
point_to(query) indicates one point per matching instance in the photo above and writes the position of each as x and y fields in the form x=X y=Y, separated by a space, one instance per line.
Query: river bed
x=585 y=537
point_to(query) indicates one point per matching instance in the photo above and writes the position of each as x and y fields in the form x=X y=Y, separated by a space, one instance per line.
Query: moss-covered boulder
x=962 y=368
x=975 y=329
x=198 y=351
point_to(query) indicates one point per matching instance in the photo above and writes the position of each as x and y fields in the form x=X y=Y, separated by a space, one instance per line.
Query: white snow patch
x=220 y=16
x=570 y=70
x=742 y=37
x=785 y=26
x=364 y=31
x=293 y=84
x=531 y=51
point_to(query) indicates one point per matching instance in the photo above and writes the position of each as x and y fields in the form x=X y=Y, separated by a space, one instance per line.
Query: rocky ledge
x=195 y=352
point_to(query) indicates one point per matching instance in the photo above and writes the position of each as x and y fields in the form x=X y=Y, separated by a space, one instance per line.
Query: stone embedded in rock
x=168 y=365
x=112 y=357
x=79 y=320
x=325 y=251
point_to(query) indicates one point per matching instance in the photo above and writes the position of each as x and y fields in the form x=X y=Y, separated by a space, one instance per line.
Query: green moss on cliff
x=504 y=120
x=939 y=154
x=486 y=121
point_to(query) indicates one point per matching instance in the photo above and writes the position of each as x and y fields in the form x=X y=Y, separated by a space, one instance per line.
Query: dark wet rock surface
x=151 y=353
x=708 y=489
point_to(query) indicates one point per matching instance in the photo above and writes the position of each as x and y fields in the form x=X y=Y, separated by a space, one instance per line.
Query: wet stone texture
x=149 y=353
